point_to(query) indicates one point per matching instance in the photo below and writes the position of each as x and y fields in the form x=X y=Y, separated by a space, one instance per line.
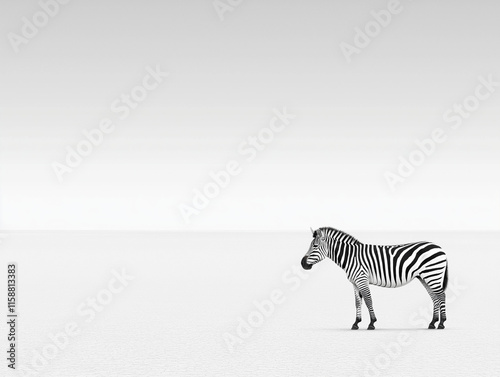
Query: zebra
x=386 y=266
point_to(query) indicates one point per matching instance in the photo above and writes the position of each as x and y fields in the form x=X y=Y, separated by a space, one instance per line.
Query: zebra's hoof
x=441 y=326
x=431 y=326
x=371 y=327
x=355 y=327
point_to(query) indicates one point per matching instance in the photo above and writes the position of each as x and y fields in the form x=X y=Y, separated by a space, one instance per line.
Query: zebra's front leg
x=365 y=292
x=358 y=298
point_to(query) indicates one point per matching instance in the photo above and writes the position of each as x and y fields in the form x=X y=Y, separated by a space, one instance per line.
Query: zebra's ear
x=312 y=231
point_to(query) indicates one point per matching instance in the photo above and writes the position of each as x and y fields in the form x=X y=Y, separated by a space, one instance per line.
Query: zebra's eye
x=322 y=239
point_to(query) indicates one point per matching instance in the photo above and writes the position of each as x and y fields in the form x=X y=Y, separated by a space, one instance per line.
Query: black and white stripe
x=386 y=266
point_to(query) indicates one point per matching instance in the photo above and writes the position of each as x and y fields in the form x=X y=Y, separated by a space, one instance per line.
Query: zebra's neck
x=342 y=252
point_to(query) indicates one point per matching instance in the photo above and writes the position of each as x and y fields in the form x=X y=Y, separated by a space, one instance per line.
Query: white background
x=193 y=281
x=353 y=120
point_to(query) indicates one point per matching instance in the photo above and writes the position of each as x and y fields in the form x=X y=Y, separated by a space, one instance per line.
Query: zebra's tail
x=445 y=280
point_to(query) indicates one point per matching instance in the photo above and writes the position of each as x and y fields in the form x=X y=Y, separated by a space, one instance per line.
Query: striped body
x=385 y=266
x=393 y=266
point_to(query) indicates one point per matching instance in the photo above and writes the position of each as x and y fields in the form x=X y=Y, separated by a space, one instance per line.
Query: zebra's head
x=317 y=251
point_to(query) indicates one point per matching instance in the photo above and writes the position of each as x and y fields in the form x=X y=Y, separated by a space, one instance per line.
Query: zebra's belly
x=388 y=283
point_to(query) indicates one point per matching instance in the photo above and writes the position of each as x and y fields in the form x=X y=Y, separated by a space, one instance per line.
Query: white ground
x=189 y=291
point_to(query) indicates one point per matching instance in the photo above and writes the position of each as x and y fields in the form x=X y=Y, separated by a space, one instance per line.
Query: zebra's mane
x=336 y=233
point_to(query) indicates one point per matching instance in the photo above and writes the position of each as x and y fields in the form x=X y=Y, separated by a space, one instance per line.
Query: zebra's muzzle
x=305 y=265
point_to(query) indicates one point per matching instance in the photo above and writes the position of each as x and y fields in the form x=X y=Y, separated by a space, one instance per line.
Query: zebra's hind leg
x=358 y=298
x=435 y=301
x=442 y=309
